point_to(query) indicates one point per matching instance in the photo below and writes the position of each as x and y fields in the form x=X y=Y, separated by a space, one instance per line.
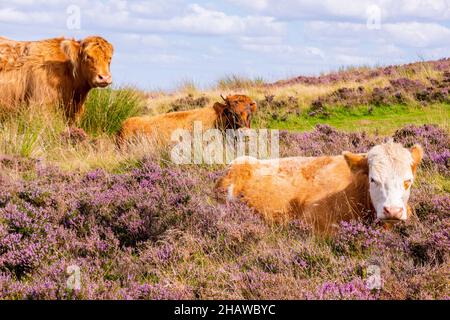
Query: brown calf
x=236 y=112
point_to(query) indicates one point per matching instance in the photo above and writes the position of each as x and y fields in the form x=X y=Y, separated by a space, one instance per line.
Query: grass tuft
x=106 y=109
x=234 y=82
x=28 y=132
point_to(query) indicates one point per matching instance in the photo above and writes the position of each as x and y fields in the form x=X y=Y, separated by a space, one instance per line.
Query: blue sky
x=162 y=43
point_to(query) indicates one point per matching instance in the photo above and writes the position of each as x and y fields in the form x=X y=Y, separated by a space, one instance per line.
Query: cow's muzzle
x=103 y=80
x=393 y=213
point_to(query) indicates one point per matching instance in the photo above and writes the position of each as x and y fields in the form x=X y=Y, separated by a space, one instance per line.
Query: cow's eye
x=372 y=180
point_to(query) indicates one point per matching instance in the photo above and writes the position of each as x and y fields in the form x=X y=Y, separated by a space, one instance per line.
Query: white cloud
x=162 y=58
x=260 y=40
x=252 y=4
x=418 y=34
x=176 y=38
x=391 y=10
x=143 y=17
x=12 y=15
x=352 y=59
x=134 y=40
x=156 y=8
x=198 y=20
x=408 y=34
x=434 y=53
x=201 y=20
x=275 y=47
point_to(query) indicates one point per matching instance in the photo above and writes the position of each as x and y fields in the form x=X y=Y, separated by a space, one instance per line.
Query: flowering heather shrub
x=385 y=96
x=401 y=91
x=354 y=236
x=407 y=84
x=344 y=96
x=189 y=102
x=433 y=250
x=324 y=140
x=277 y=108
x=440 y=203
x=158 y=232
x=74 y=135
x=433 y=139
x=108 y=215
x=363 y=75
x=429 y=206
x=17 y=164
x=26 y=237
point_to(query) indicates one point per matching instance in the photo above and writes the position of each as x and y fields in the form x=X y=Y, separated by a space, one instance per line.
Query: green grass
x=28 y=132
x=382 y=119
x=234 y=82
x=106 y=109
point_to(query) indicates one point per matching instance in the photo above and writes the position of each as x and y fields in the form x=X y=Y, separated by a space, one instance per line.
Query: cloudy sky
x=163 y=43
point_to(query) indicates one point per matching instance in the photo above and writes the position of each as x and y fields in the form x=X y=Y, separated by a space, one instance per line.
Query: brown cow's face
x=90 y=59
x=96 y=54
x=237 y=111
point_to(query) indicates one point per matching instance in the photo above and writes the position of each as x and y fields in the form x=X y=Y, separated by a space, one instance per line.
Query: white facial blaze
x=390 y=172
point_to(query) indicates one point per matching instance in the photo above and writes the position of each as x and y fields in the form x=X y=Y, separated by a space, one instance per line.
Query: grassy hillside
x=140 y=227
x=359 y=99
x=382 y=120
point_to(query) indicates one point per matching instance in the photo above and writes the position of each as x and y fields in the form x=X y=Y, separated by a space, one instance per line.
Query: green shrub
x=106 y=109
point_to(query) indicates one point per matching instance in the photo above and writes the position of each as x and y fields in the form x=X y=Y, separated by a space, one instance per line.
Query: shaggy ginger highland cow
x=236 y=112
x=54 y=71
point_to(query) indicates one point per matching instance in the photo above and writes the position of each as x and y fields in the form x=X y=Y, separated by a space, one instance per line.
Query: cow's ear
x=219 y=107
x=356 y=162
x=71 y=49
x=417 y=155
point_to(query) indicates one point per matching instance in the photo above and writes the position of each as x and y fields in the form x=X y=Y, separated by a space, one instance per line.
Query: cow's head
x=90 y=59
x=391 y=169
x=236 y=111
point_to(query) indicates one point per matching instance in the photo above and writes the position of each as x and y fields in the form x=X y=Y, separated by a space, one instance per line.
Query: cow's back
x=33 y=54
x=320 y=190
x=161 y=127
x=32 y=71
x=14 y=80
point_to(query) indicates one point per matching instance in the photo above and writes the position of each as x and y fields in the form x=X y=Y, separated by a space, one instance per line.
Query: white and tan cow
x=326 y=190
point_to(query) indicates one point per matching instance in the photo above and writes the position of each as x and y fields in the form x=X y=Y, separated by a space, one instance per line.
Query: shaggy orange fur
x=321 y=191
x=333 y=193
x=54 y=71
x=234 y=113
